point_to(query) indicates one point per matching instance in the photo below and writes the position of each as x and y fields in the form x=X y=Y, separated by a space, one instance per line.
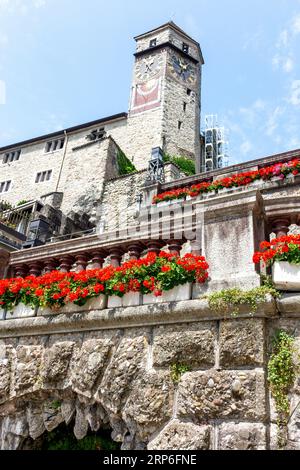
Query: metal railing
x=14 y=217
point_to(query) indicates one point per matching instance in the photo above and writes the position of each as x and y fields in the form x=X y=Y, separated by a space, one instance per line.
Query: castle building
x=107 y=191
x=164 y=112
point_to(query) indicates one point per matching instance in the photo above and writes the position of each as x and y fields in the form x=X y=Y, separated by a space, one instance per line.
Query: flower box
x=163 y=203
x=21 y=311
x=132 y=299
x=114 y=301
x=2 y=314
x=183 y=292
x=96 y=303
x=257 y=183
x=286 y=276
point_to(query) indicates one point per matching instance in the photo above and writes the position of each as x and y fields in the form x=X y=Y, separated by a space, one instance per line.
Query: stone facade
x=136 y=134
x=111 y=369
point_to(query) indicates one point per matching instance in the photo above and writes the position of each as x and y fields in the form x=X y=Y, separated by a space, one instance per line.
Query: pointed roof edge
x=171 y=24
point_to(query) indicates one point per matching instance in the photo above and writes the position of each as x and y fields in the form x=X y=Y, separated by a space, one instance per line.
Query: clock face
x=148 y=68
x=183 y=69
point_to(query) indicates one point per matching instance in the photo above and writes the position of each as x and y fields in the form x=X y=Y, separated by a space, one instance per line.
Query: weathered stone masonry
x=111 y=368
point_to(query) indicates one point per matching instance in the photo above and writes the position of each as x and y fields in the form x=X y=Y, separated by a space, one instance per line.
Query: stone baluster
x=196 y=248
x=154 y=246
x=50 y=265
x=98 y=258
x=35 y=268
x=115 y=257
x=135 y=251
x=175 y=246
x=66 y=263
x=280 y=226
x=21 y=270
x=81 y=262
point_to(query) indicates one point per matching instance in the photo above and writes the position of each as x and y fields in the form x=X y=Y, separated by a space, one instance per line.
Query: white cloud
x=252 y=112
x=288 y=65
x=283 y=58
x=245 y=147
x=19 y=6
x=273 y=120
x=294 y=98
x=296 y=24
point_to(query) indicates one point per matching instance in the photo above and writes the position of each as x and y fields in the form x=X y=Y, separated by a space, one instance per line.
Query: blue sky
x=66 y=62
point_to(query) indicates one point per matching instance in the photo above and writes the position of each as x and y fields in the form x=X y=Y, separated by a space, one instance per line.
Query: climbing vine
x=126 y=167
x=230 y=300
x=281 y=376
x=177 y=370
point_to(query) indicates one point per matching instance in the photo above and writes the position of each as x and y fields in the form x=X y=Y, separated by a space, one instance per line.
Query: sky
x=67 y=62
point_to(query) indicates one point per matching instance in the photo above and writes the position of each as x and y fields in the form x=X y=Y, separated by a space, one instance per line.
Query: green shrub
x=230 y=300
x=126 y=167
x=186 y=165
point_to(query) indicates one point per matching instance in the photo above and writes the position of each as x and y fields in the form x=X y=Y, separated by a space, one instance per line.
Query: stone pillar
x=154 y=246
x=115 y=257
x=66 y=263
x=280 y=226
x=35 y=268
x=135 y=251
x=98 y=258
x=81 y=262
x=175 y=246
x=21 y=270
x=195 y=248
x=50 y=265
x=4 y=262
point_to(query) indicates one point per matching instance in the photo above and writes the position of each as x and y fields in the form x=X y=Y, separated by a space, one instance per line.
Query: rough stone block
x=181 y=436
x=242 y=436
x=242 y=342
x=191 y=344
x=5 y=370
x=92 y=359
x=128 y=360
x=222 y=394
x=56 y=361
x=27 y=369
x=149 y=405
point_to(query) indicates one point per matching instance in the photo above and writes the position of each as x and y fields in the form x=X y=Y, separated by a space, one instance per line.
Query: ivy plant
x=281 y=376
x=177 y=370
x=230 y=300
x=126 y=167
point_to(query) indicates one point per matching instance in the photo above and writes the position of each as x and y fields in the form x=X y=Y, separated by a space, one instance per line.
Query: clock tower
x=164 y=109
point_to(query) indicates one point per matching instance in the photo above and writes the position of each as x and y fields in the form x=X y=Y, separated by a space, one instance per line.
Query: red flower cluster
x=285 y=248
x=241 y=179
x=153 y=273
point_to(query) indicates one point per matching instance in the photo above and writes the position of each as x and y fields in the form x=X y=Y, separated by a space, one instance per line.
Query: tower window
x=153 y=42
x=11 y=156
x=43 y=176
x=54 y=145
x=179 y=124
x=188 y=91
x=185 y=48
x=184 y=106
x=4 y=186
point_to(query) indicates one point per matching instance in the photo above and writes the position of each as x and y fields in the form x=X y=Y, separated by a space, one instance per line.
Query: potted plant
x=283 y=254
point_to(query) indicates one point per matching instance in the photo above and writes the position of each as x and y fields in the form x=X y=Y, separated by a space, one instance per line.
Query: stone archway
x=97 y=379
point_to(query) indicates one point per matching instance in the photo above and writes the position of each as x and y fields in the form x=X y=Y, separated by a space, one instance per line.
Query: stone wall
x=111 y=368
